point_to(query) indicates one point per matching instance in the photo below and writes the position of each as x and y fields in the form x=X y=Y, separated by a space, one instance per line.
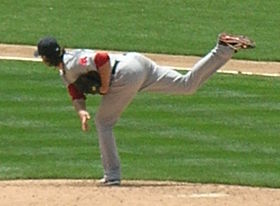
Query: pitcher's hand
x=84 y=117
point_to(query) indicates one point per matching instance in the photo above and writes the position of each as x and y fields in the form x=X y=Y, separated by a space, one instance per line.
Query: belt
x=115 y=66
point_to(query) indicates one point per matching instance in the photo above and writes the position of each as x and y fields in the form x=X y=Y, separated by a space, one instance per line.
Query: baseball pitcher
x=119 y=77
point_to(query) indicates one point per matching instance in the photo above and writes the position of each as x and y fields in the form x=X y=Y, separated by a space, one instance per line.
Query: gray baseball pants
x=136 y=73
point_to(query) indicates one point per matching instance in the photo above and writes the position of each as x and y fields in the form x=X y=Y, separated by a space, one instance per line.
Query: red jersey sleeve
x=75 y=93
x=101 y=58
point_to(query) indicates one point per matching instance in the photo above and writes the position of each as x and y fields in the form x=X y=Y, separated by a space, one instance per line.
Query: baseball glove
x=88 y=83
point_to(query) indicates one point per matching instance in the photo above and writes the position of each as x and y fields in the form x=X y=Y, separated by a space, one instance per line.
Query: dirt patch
x=87 y=192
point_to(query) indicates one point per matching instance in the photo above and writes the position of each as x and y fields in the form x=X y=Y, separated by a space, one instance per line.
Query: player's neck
x=60 y=66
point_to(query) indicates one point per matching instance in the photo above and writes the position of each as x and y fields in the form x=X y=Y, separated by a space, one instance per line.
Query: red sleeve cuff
x=75 y=93
x=101 y=58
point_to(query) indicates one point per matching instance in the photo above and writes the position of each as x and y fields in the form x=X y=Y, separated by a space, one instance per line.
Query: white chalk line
x=234 y=72
x=20 y=59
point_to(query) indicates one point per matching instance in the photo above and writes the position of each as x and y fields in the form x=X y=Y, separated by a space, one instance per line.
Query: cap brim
x=36 y=53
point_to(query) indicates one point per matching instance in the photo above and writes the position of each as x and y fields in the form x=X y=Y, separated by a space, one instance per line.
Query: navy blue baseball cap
x=48 y=47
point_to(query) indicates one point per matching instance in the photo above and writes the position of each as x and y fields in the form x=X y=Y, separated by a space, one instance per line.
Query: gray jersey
x=76 y=63
x=81 y=61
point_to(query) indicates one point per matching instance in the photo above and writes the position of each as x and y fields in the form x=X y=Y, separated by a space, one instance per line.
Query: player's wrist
x=103 y=90
x=83 y=113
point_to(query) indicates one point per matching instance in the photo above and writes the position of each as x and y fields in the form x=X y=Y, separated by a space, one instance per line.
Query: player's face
x=46 y=61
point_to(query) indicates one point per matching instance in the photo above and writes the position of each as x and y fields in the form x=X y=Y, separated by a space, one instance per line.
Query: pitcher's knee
x=191 y=84
x=191 y=87
x=104 y=123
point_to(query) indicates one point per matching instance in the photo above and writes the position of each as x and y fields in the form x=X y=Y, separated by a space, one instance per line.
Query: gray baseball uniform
x=133 y=72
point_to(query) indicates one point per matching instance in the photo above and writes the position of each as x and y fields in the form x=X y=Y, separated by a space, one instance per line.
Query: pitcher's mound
x=131 y=193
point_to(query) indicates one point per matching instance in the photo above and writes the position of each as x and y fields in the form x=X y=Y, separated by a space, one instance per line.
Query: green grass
x=165 y=26
x=228 y=132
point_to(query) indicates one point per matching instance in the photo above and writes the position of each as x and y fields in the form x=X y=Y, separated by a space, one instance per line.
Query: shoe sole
x=109 y=183
x=237 y=42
